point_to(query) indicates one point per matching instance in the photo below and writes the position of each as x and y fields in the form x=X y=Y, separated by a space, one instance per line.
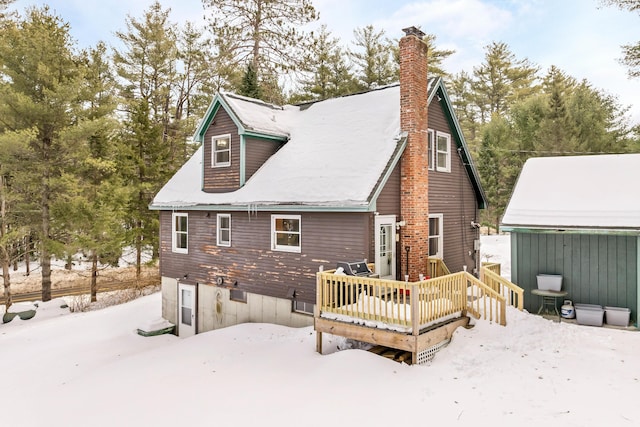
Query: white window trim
x=218 y=229
x=174 y=233
x=431 y=145
x=213 y=151
x=274 y=244
x=447 y=167
x=440 y=252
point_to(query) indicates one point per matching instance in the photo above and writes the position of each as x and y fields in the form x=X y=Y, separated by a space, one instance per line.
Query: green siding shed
x=578 y=216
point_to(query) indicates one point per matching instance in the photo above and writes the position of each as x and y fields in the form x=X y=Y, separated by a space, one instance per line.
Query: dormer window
x=221 y=151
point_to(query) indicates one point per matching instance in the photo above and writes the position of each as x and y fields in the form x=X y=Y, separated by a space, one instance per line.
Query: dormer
x=238 y=135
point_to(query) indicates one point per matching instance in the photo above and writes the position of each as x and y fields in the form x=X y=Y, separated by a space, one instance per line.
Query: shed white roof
x=599 y=191
x=337 y=151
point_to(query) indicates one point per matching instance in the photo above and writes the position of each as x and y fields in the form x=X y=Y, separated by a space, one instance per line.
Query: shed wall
x=596 y=269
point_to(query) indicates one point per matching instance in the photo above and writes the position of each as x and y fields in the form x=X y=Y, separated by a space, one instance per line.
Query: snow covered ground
x=92 y=369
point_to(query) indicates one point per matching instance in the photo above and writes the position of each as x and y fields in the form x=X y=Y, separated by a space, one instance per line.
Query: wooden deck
x=409 y=316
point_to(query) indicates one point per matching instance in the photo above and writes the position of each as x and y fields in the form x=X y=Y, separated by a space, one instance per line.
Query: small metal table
x=549 y=300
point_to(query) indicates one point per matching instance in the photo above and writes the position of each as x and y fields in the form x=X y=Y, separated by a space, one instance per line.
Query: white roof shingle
x=577 y=192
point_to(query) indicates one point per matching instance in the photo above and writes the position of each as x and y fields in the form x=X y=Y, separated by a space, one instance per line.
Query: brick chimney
x=414 y=187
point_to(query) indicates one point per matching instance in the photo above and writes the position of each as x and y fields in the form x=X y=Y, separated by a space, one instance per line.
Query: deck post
x=316 y=310
x=415 y=320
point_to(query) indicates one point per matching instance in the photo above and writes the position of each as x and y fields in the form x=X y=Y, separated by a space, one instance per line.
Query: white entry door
x=186 y=310
x=385 y=243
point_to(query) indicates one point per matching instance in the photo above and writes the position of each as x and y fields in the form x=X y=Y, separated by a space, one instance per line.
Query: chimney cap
x=413 y=31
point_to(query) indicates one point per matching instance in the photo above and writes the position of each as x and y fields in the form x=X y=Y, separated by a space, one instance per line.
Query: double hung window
x=285 y=233
x=180 y=233
x=221 y=151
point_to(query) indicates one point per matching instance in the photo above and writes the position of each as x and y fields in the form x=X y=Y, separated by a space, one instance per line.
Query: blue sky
x=580 y=37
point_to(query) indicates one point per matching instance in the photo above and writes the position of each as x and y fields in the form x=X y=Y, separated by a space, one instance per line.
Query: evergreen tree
x=92 y=211
x=464 y=107
x=264 y=33
x=631 y=52
x=250 y=86
x=373 y=57
x=435 y=57
x=326 y=71
x=41 y=76
x=498 y=167
x=501 y=80
x=152 y=149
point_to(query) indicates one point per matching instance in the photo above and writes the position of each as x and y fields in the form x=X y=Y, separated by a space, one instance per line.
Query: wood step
x=400 y=356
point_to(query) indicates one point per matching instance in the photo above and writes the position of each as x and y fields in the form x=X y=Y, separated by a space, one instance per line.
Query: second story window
x=221 y=151
x=443 y=152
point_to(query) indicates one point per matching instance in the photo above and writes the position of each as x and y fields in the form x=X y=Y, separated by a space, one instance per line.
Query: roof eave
x=220 y=101
x=555 y=229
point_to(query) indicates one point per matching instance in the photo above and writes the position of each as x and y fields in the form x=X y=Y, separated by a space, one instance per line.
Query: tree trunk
x=27 y=255
x=45 y=256
x=94 y=276
x=7 y=281
x=6 y=261
x=139 y=251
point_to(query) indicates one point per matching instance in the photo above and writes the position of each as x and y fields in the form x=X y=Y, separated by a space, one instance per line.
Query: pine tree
x=501 y=80
x=41 y=76
x=631 y=52
x=373 y=57
x=326 y=71
x=250 y=86
x=264 y=33
x=152 y=149
x=92 y=211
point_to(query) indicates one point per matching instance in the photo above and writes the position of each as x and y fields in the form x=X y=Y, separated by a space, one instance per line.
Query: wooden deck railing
x=492 y=266
x=371 y=301
x=436 y=268
x=513 y=294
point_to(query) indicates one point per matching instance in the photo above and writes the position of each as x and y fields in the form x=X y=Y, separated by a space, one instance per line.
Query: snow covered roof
x=262 y=117
x=580 y=192
x=337 y=151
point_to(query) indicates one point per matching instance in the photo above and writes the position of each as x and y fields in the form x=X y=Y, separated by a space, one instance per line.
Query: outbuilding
x=578 y=217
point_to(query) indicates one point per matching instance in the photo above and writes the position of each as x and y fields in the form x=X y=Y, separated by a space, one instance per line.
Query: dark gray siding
x=326 y=239
x=388 y=203
x=451 y=194
x=596 y=269
x=257 y=152
x=224 y=179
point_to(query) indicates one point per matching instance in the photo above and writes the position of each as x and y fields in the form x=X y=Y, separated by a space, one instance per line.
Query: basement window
x=238 y=295
x=303 y=307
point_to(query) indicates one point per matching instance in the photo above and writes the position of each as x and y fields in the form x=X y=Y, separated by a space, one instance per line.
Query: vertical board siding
x=596 y=269
x=257 y=152
x=452 y=194
x=224 y=179
x=326 y=239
